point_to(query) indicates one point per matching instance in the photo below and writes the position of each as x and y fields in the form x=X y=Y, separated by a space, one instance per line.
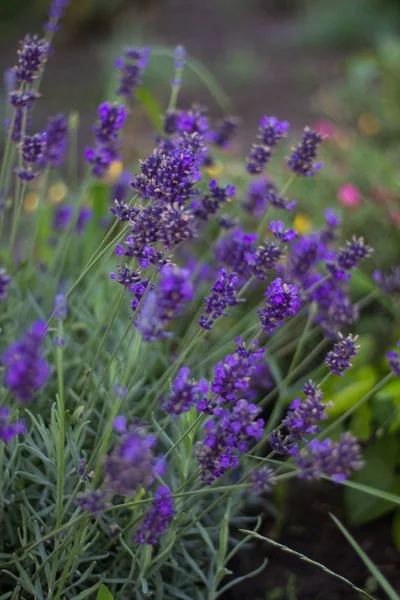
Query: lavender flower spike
x=9 y=430
x=32 y=57
x=26 y=370
x=270 y=132
x=185 y=393
x=335 y=459
x=282 y=300
x=4 y=283
x=56 y=13
x=302 y=161
x=338 y=359
x=394 y=361
x=157 y=519
x=223 y=295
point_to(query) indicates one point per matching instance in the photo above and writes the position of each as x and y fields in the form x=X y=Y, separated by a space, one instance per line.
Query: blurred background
x=333 y=66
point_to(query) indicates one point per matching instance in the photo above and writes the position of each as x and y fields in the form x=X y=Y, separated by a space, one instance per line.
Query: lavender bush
x=138 y=419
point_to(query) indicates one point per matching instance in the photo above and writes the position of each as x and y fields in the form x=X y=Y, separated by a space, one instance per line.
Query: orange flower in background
x=349 y=195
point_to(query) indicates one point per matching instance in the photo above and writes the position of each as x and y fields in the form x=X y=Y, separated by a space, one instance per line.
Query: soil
x=308 y=529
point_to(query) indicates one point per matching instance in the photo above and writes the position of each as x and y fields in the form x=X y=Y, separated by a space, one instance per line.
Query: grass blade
x=309 y=560
x=383 y=582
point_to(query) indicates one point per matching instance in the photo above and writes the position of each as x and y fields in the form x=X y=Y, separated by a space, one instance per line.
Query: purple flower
x=94 y=502
x=9 y=430
x=60 y=310
x=302 y=159
x=62 y=217
x=282 y=300
x=176 y=226
x=334 y=307
x=224 y=131
x=355 y=250
x=179 y=64
x=232 y=375
x=121 y=187
x=157 y=519
x=264 y=258
x=84 y=216
x=231 y=430
x=270 y=132
x=305 y=254
x=164 y=303
x=33 y=148
x=32 y=57
x=23 y=98
x=4 y=283
x=223 y=295
x=56 y=13
x=338 y=359
x=168 y=177
x=304 y=417
x=282 y=234
x=131 y=66
x=335 y=459
x=185 y=393
x=211 y=202
x=121 y=210
x=131 y=463
x=101 y=157
x=263 y=193
x=26 y=370
x=233 y=251
x=389 y=283
x=112 y=117
x=262 y=480
x=394 y=361
x=56 y=140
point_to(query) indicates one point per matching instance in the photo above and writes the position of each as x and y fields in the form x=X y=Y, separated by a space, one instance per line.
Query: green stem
x=101 y=345
x=263 y=224
x=277 y=411
x=43 y=190
x=60 y=449
x=61 y=416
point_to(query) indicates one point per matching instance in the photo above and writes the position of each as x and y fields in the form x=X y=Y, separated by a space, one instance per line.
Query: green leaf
x=104 y=593
x=396 y=529
x=360 y=423
x=368 y=562
x=378 y=473
x=351 y=394
x=152 y=107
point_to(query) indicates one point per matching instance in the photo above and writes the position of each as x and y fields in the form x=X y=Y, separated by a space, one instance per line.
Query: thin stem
x=263 y=223
x=43 y=189
x=60 y=444
x=103 y=339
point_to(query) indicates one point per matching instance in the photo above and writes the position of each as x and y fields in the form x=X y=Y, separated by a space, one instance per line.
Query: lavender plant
x=135 y=419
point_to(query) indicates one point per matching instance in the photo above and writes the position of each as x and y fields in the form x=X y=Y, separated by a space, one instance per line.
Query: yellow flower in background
x=302 y=224
x=31 y=202
x=57 y=192
x=368 y=124
x=114 y=172
x=214 y=170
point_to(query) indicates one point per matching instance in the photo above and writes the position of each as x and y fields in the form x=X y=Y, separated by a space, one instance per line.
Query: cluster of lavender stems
x=174 y=208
